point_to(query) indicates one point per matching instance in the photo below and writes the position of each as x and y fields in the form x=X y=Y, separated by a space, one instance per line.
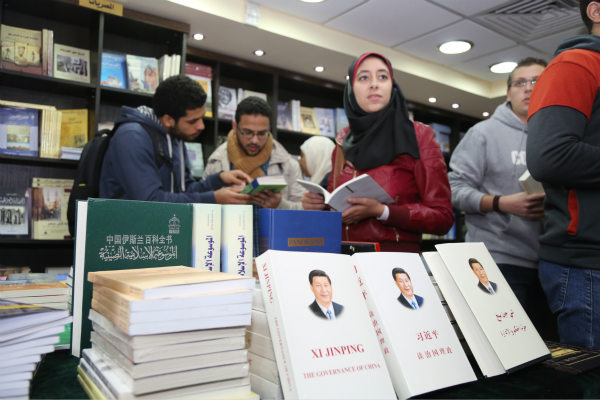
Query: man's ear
x=167 y=121
x=593 y=11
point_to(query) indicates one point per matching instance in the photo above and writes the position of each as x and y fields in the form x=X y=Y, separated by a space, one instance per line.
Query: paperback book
x=19 y=131
x=21 y=49
x=203 y=75
x=142 y=73
x=15 y=210
x=113 y=71
x=274 y=183
x=227 y=102
x=71 y=63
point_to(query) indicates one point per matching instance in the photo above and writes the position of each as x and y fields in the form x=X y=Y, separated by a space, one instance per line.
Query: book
x=195 y=157
x=284 y=115
x=309 y=121
x=10 y=289
x=163 y=282
x=274 y=183
x=570 y=358
x=529 y=184
x=243 y=93
x=318 y=357
x=116 y=234
x=296 y=117
x=326 y=121
x=361 y=186
x=495 y=326
x=227 y=103
x=203 y=75
x=74 y=128
x=236 y=239
x=72 y=63
x=142 y=73
x=206 y=237
x=442 y=134
x=50 y=199
x=19 y=131
x=359 y=247
x=21 y=49
x=113 y=71
x=14 y=214
x=341 y=120
x=17 y=317
x=300 y=230
x=265 y=388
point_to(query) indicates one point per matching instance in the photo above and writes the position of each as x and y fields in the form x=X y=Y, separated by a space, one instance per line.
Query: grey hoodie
x=489 y=160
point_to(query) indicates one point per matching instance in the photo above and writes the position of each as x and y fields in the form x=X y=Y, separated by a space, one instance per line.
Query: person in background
x=315 y=159
x=130 y=170
x=563 y=152
x=251 y=148
x=484 y=176
x=402 y=156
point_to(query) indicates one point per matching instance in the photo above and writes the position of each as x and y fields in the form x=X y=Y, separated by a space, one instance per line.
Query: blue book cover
x=300 y=230
x=19 y=131
x=113 y=71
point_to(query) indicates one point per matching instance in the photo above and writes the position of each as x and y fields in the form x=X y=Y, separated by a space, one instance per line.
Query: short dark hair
x=317 y=272
x=583 y=5
x=474 y=261
x=526 y=62
x=176 y=95
x=397 y=271
x=253 y=105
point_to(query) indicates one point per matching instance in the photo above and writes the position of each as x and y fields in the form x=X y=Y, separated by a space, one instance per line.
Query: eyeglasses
x=248 y=133
x=521 y=83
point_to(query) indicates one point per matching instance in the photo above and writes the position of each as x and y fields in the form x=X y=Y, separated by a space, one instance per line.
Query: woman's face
x=372 y=85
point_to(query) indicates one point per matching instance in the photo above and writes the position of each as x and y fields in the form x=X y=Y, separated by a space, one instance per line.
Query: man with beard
x=133 y=171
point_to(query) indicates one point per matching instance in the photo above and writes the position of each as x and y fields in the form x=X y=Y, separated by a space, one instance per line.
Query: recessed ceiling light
x=432 y=99
x=312 y=1
x=319 y=68
x=485 y=114
x=259 y=53
x=455 y=47
x=198 y=36
x=503 y=67
x=455 y=105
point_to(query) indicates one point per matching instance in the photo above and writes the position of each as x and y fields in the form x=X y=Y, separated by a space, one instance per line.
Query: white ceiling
x=297 y=36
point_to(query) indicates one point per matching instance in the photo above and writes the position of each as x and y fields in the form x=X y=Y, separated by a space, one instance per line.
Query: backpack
x=86 y=183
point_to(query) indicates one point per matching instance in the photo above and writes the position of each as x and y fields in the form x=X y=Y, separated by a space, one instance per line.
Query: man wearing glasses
x=250 y=147
x=484 y=178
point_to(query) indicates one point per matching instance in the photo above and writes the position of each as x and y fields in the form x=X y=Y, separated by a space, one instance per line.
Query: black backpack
x=87 y=175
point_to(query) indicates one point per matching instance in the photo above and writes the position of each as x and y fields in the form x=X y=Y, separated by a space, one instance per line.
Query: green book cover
x=121 y=234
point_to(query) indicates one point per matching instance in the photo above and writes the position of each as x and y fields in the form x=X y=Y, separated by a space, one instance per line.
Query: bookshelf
x=133 y=33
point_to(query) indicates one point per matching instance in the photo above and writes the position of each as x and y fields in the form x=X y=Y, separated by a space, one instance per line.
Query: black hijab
x=375 y=139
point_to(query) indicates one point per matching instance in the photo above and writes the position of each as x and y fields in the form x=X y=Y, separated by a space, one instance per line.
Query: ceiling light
x=198 y=36
x=455 y=47
x=432 y=99
x=503 y=67
x=485 y=114
x=259 y=53
x=319 y=68
x=312 y=1
x=455 y=105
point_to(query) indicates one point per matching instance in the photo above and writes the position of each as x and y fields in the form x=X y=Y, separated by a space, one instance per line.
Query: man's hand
x=313 y=201
x=235 y=177
x=361 y=208
x=229 y=196
x=267 y=199
x=523 y=204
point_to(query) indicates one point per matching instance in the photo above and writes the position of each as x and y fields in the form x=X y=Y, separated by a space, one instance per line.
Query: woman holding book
x=402 y=156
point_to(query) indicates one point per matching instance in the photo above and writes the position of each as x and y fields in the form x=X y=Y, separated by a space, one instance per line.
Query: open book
x=274 y=183
x=361 y=186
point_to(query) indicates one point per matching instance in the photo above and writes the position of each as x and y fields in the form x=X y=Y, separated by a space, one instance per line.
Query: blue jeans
x=574 y=296
x=525 y=283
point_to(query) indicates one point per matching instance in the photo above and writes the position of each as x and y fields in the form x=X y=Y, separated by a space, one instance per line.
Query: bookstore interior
x=158 y=300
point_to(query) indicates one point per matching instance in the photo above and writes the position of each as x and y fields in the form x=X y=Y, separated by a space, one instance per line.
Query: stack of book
x=35 y=290
x=264 y=378
x=168 y=332
x=26 y=333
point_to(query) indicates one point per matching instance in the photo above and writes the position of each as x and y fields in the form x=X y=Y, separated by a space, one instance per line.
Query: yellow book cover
x=308 y=121
x=74 y=128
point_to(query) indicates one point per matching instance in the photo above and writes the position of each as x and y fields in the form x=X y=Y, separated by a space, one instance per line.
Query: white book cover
x=493 y=322
x=71 y=63
x=236 y=239
x=529 y=184
x=206 y=237
x=227 y=102
x=260 y=324
x=265 y=388
x=320 y=358
x=417 y=339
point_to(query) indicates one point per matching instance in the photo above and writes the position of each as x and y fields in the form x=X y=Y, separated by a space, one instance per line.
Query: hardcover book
x=274 y=183
x=50 y=199
x=227 y=102
x=203 y=75
x=300 y=230
x=71 y=63
x=206 y=237
x=361 y=186
x=113 y=71
x=21 y=49
x=14 y=213
x=308 y=121
x=142 y=73
x=236 y=239
x=493 y=322
x=19 y=131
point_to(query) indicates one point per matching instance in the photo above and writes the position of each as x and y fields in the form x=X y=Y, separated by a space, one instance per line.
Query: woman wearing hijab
x=315 y=159
x=402 y=156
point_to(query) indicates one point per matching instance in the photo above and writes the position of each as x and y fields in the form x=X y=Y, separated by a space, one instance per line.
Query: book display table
x=56 y=379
